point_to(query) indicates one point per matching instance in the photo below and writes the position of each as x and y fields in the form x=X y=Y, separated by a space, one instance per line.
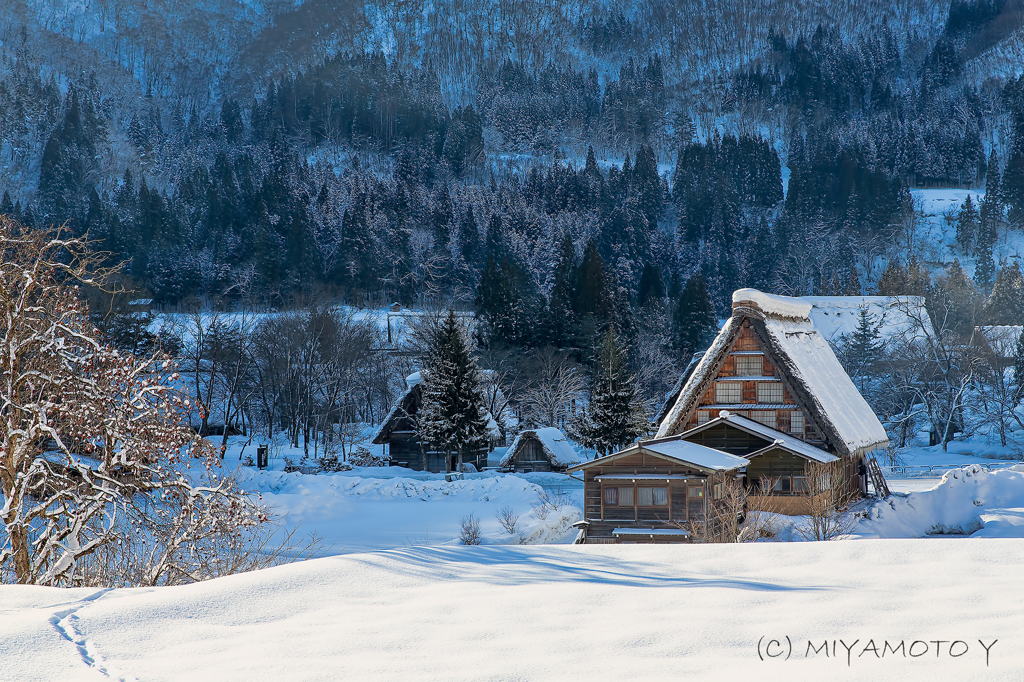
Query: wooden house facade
x=774 y=459
x=770 y=366
x=652 y=491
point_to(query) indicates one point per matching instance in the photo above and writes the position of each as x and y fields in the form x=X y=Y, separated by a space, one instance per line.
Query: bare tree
x=555 y=382
x=723 y=513
x=828 y=499
x=95 y=444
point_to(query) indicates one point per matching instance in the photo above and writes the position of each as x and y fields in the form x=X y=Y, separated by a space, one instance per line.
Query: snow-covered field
x=403 y=600
x=549 y=613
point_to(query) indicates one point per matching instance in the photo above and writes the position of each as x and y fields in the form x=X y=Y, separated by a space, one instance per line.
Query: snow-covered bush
x=469 y=530
x=330 y=463
x=362 y=457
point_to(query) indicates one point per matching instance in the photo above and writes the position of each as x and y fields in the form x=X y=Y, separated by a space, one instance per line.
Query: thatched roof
x=807 y=363
x=553 y=444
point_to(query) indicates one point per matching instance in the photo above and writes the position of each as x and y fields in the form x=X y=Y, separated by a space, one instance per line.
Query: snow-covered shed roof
x=774 y=437
x=553 y=443
x=897 y=317
x=804 y=356
x=1000 y=339
x=675 y=448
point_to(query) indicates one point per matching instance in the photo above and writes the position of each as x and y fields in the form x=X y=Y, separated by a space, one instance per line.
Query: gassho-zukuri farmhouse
x=765 y=402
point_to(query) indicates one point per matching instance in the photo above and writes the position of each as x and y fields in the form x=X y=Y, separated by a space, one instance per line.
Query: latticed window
x=749 y=366
x=729 y=392
x=703 y=416
x=766 y=417
x=769 y=392
x=796 y=422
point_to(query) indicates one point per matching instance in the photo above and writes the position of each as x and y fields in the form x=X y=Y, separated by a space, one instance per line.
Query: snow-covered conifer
x=453 y=417
x=615 y=415
x=1005 y=305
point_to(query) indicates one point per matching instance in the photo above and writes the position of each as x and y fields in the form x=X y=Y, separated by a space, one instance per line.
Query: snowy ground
x=549 y=613
x=372 y=508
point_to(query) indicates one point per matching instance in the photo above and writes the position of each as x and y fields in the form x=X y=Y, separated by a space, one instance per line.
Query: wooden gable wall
x=679 y=509
x=767 y=404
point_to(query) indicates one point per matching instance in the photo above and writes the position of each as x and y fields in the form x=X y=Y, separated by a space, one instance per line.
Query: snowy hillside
x=530 y=613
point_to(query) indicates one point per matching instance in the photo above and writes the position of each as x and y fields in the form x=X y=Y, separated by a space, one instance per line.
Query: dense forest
x=630 y=176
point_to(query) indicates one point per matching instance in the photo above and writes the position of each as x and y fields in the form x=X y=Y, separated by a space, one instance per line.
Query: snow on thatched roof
x=804 y=356
x=1000 y=339
x=771 y=305
x=553 y=443
x=898 y=317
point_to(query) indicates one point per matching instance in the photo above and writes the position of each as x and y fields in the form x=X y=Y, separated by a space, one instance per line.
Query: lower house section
x=598 y=533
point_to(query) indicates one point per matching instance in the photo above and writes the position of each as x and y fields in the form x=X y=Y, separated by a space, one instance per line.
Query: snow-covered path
x=548 y=613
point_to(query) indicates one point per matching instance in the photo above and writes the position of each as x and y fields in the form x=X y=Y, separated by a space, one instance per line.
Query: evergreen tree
x=453 y=416
x=1018 y=369
x=591 y=295
x=984 y=267
x=1005 y=305
x=615 y=415
x=503 y=303
x=1012 y=189
x=651 y=288
x=967 y=225
x=560 y=321
x=693 y=321
x=954 y=298
x=863 y=346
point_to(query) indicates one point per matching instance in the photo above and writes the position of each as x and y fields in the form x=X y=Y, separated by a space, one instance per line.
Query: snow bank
x=969 y=501
x=902 y=318
x=544 y=613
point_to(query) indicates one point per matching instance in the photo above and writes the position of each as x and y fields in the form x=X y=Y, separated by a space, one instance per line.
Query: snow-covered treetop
x=772 y=305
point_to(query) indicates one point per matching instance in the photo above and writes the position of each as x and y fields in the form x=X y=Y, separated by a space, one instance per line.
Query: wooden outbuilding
x=400 y=439
x=771 y=365
x=653 y=491
x=544 y=449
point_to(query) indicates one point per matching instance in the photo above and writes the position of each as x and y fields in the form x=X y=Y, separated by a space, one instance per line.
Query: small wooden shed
x=544 y=449
x=400 y=439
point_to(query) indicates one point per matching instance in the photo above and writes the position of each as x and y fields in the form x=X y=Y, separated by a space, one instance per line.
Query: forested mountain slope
x=519 y=154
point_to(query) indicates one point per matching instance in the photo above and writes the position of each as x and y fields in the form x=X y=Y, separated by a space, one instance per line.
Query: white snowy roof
x=1001 y=339
x=773 y=305
x=413 y=379
x=804 y=355
x=795 y=445
x=704 y=457
x=898 y=317
x=554 y=443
